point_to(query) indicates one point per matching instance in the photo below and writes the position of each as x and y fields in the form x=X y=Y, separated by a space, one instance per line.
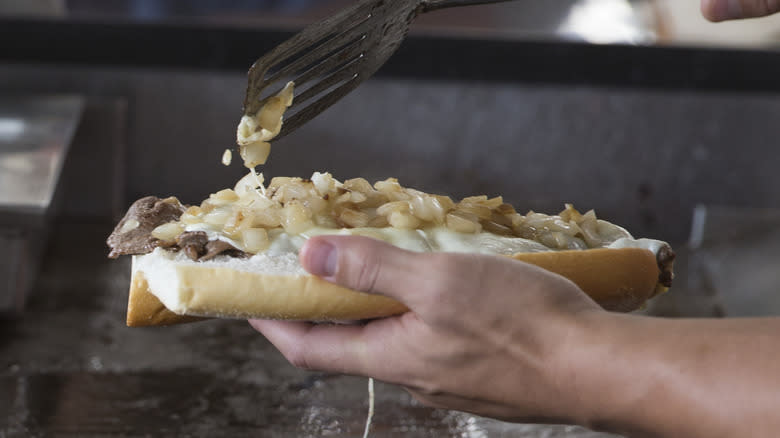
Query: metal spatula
x=330 y=58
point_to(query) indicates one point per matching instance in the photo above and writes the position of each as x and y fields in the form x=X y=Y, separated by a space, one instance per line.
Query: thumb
x=364 y=264
x=720 y=10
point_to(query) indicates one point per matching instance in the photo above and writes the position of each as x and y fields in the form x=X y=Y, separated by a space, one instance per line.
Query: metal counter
x=70 y=367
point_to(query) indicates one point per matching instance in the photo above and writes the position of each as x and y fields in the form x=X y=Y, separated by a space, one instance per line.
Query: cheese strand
x=370 y=406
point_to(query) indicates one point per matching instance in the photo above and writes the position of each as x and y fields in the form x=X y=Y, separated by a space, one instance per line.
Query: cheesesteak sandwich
x=235 y=255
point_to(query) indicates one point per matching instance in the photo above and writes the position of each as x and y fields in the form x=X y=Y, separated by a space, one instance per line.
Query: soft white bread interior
x=168 y=288
x=262 y=286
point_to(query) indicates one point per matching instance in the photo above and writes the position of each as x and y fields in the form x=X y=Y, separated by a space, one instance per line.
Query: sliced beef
x=197 y=246
x=193 y=243
x=133 y=234
x=217 y=247
x=665 y=259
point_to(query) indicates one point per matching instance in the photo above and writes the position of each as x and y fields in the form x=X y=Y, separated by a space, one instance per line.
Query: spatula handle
x=432 y=5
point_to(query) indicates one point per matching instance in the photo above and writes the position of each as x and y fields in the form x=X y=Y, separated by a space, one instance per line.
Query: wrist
x=621 y=386
x=573 y=369
x=599 y=371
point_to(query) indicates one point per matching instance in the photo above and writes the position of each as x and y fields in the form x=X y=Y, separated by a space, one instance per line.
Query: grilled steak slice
x=133 y=234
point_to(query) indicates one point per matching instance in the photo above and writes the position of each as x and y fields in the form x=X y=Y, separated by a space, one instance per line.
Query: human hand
x=485 y=334
x=720 y=10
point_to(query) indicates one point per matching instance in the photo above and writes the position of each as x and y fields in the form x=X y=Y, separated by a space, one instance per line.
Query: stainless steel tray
x=35 y=135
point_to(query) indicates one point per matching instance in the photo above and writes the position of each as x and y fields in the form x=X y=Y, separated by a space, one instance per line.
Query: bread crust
x=617 y=279
x=145 y=309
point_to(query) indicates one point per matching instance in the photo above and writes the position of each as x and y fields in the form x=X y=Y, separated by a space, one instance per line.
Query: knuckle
x=428 y=396
x=298 y=358
x=430 y=388
x=445 y=276
x=449 y=270
x=458 y=283
x=367 y=274
x=449 y=263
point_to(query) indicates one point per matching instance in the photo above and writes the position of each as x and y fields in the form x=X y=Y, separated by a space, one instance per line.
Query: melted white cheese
x=649 y=244
x=437 y=239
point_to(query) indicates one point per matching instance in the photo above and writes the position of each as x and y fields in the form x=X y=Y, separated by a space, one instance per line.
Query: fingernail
x=322 y=258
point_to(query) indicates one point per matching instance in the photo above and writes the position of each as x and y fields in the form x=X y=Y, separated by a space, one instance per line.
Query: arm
x=504 y=339
x=695 y=378
x=720 y=10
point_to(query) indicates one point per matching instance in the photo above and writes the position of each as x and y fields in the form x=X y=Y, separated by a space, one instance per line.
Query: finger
x=368 y=265
x=323 y=347
x=720 y=10
x=345 y=349
x=506 y=411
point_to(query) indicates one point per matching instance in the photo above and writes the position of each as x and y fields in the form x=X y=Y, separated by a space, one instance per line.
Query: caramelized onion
x=247 y=212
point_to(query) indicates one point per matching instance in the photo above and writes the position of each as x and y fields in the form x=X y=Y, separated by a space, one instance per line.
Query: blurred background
x=598 y=21
x=642 y=110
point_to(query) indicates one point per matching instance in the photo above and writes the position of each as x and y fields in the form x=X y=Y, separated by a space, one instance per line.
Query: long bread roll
x=618 y=279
